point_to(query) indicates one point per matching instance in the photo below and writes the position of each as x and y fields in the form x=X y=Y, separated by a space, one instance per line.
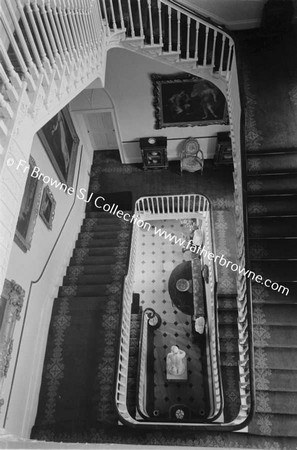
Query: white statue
x=200 y=324
x=176 y=362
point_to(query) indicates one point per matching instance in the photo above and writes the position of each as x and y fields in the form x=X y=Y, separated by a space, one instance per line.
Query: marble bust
x=176 y=361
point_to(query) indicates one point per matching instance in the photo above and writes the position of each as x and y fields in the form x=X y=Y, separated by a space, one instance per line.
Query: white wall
x=129 y=85
x=25 y=268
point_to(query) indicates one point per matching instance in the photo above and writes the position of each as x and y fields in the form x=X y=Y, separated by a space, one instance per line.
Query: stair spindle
x=206 y=46
x=88 y=24
x=81 y=25
x=29 y=35
x=29 y=62
x=178 y=30
x=222 y=55
x=6 y=110
x=58 y=21
x=214 y=48
x=77 y=26
x=196 y=41
x=229 y=59
x=121 y=14
x=10 y=89
x=131 y=19
x=36 y=36
x=106 y=17
x=140 y=17
x=149 y=4
x=55 y=33
x=188 y=37
x=114 y=25
x=50 y=35
x=64 y=18
x=160 y=23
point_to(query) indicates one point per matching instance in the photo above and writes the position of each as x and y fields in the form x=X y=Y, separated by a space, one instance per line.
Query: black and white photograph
x=148 y=224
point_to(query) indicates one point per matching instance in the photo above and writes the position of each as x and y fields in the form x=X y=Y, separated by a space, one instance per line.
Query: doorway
x=102 y=130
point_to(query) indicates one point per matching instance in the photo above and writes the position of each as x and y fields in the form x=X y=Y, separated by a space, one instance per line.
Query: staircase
x=79 y=361
x=271 y=169
x=173 y=34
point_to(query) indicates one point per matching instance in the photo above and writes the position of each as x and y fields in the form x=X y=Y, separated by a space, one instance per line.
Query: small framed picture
x=28 y=211
x=47 y=207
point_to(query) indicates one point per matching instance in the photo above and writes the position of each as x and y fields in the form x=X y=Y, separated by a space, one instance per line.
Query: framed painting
x=47 y=207
x=29 y=210
x=185 y=100
x=60 y=141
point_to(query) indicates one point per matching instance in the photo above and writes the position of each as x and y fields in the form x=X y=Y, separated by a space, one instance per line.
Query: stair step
x=84 y=291
x=91 y=269
x=275 y=270
x=98 y=235
x=272 y=249
x=274 y=205
x=277 y=425
x=284 y=359
x=101 y=227
x=273 y=227
x=279 y=402
x=102 y=252
x=92 y=260
x=272 y=184
x=272 y=151
x=98 y=297
x=103 y=215
x=272 y=163
x=275 y=314
x=96 y=243
x=277 y=336
x=261 y=294
x=279 y=380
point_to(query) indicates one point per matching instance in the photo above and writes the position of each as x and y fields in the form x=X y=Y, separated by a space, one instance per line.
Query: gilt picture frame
x=47 y=207
x=28 y=210
x=60 y=141
x=184 y=100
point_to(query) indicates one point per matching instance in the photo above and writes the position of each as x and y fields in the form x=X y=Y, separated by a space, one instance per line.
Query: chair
x=191 y=158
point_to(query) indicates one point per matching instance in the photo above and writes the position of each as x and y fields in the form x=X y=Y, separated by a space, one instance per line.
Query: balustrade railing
x=244 y=301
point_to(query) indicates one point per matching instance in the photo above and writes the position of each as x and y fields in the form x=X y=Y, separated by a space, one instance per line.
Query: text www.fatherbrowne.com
x=81 y=194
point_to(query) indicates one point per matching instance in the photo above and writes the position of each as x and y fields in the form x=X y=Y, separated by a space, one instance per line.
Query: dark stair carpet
x=228 y=338
x=77 y=387
x=271 y=168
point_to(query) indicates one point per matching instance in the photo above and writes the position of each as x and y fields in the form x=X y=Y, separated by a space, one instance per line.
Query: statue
x=176 y=361
x=200 y=324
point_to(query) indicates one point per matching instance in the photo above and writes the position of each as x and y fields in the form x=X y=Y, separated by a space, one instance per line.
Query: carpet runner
x=271 y=139
x=81 y=355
